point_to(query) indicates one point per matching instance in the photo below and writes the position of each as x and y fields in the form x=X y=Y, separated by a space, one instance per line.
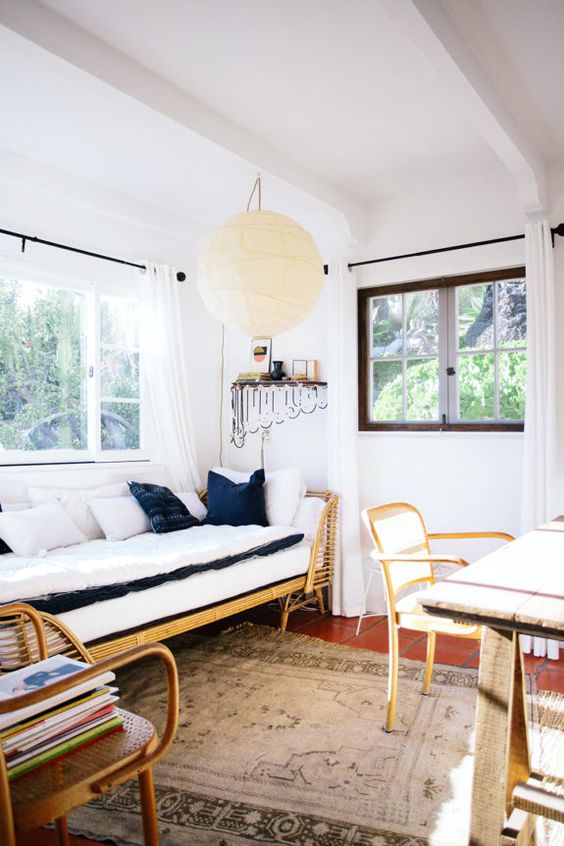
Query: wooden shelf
x=279 y=383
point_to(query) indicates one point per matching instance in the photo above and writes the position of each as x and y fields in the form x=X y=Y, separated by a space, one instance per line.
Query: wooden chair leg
x=7 y=831
x=393 y=667
x=431 y=640
x=149 y=807
x=62 y=830
x=320 y=602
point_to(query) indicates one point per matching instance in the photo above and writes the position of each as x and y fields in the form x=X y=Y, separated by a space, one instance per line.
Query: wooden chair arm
x=451 y=535
x=416 y=558
x=114 y=662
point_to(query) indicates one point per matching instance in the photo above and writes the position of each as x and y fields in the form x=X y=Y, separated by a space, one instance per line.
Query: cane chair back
x=47 y=794
x=399 y=528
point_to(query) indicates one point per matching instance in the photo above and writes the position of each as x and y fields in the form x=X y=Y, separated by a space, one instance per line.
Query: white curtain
x=540 y=414
x=164 y=329
x=342 y=437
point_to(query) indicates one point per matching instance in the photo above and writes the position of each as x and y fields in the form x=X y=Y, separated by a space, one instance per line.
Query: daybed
x=294 y=576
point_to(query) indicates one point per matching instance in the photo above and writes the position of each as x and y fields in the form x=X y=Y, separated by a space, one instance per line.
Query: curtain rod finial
x=181 y=276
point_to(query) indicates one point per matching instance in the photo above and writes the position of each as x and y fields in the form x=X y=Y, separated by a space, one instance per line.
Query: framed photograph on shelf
x=261 y=351
x=299 y=368
x=311 y=370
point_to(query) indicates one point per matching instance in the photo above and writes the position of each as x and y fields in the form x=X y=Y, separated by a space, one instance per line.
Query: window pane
x=422 y=322
x=511 y=314
x=119 y=322
x=476 y=386
x=387 y=390
x=475 y=307
x=423 y=389
x=387 y=325
x=42 y=367
x=512 y=379
x=120 y=425
x=119 y=373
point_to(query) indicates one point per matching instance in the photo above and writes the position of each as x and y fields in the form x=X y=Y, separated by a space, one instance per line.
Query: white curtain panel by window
x=342 y=437
x=540 y=414
x=166 y=362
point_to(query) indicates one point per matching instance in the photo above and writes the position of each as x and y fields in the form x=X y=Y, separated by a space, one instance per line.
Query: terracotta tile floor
x=460 y=652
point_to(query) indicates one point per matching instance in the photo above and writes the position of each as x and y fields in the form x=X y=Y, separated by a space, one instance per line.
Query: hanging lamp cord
x=257 y=185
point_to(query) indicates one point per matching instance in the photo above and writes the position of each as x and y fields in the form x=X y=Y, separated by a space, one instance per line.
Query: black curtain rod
x=556 y=230
x=33 y=239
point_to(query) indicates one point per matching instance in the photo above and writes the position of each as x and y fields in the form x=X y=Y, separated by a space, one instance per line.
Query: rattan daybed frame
x=292 y=593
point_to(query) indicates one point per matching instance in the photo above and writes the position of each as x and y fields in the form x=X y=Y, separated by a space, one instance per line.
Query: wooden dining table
x=519 y=588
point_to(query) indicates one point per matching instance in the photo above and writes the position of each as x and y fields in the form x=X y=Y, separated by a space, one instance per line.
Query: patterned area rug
x=281 y=741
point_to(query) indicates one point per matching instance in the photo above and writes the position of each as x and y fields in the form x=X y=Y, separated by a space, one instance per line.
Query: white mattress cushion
x=104 y=562
x=282 y=491
x=76 y=503
x=180 y=597
x=34 y=531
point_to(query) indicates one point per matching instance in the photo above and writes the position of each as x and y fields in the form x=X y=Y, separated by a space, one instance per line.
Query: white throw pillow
x=34 y=531
x=76 y=503
x=120 y=517
x=193 y=503
x=307 y=516
x=282 y=491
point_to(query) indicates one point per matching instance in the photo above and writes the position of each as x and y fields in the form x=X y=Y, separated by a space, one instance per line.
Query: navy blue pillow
x=232 y=504
x=165 y=511
x=3 y=546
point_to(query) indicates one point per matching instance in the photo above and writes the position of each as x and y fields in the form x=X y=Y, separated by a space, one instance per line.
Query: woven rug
x=281 y=741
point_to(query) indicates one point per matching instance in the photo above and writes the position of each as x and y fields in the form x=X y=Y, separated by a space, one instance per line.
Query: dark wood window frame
x=364 y=295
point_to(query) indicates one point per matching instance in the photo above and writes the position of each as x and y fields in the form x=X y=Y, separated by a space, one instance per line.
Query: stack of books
x=39 y=734
x=253 y=377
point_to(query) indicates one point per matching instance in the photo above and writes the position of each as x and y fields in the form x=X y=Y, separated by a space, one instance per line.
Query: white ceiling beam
x=80 y=48
x=431 y=30
x=106 y=202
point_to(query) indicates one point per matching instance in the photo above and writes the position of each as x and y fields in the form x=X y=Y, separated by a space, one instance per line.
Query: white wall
x=459 y=480
x=300 y=442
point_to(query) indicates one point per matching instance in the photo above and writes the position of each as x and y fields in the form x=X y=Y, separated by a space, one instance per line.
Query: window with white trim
x=70 y=373
x=447 y=353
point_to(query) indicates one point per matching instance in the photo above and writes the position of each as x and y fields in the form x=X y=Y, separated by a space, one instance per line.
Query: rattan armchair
x=402 y=549
x=49 y=793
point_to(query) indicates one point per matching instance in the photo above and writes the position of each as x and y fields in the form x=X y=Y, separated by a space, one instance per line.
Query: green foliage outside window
x=42 y=368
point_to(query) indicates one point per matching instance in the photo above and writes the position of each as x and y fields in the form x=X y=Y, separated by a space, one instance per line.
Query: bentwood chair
x=402 y=548
x=48 y=793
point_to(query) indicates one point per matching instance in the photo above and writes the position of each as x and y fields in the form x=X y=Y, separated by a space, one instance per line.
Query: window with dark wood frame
x=443 y=354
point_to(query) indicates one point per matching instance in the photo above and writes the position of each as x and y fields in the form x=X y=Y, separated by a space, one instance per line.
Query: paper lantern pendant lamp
x=260 y=272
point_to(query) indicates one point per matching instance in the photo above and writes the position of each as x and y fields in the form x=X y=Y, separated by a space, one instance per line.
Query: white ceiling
x=520 y=43
x=331 y=86
x=332 y=83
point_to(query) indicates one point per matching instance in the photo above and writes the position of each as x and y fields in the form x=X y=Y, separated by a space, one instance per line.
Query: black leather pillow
x=232 y=504
x=165 y=511
x=3 y=546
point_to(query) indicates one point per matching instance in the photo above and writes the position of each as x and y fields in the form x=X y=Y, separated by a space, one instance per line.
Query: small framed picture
x=261 y=350
x=299 y=368
x=311 y=370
